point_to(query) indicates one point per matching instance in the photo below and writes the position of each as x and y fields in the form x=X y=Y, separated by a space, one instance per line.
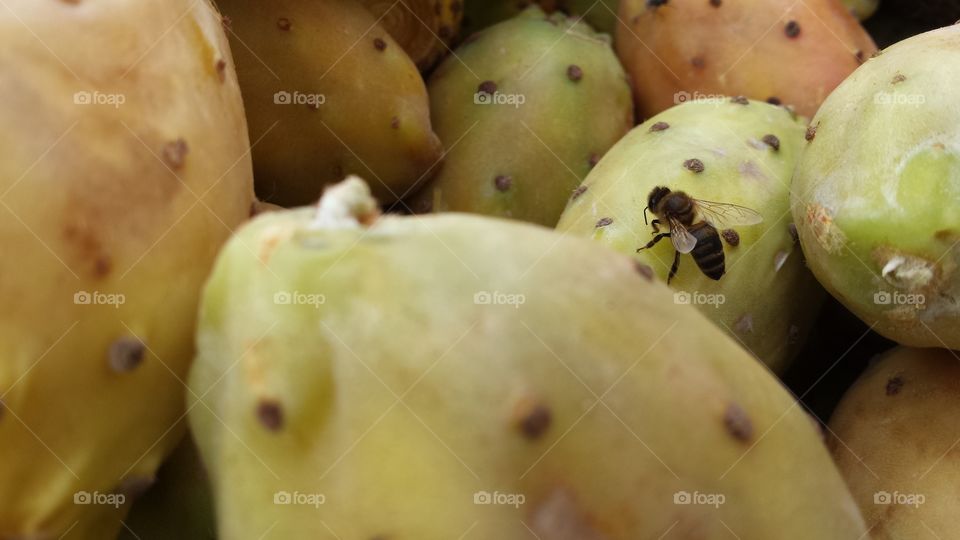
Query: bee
x=700 y=238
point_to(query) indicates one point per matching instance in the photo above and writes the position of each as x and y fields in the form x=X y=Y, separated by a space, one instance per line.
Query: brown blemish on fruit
x=740 y=100
x=487 y=87
x=772 y=141
x=226 y=22
x=894 y=384
x=270 y=414
x=731 y=236
x=811 y=132
x=744 y=324
x=774 y=100
x=659 y=126
x=593 y=160
x=737 y=422
x=656 y=3
x=395 y=123
x=644 y=270
x=126 y=354
x=603 y=222
x=946 y=235
x=574 y=73
x=534 y=421
x=174 y=153
x=221 y=68
x=102 y=266
x=559 y=516
x=578 y=192
x=859 y=56
x=827 y=234
x=792 y=29
x=907 y=271
x=379 y=44
x=694 y=165
x=503 y=182
x=898 y=78
x=283 y=23
x=716 y=3
x=698 y=62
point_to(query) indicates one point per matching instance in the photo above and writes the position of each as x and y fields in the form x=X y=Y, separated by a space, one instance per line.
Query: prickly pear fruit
x=894 y=436
x=525 y=110
x=123 y=167
x=784 y=51
x=874 y=192
x=731 y=151
x=363 y=394
x=179 y=505
x=328 y=92
x=424 y=28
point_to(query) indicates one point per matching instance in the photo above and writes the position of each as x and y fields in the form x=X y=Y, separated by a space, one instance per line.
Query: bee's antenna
x=645 y=215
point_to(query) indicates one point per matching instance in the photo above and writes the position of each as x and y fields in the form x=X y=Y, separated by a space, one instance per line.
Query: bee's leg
x=653 y=242
x=656 y=226
x=675 y=267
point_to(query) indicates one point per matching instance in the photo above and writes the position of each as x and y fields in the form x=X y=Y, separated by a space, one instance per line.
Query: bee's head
x=653 y=200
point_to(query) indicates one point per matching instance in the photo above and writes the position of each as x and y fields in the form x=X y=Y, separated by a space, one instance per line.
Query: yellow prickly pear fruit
x=123 y=167
x=894 y=436
x=329 y=92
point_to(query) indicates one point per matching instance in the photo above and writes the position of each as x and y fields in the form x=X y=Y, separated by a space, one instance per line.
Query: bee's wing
x=723 y=215
x=682 y=240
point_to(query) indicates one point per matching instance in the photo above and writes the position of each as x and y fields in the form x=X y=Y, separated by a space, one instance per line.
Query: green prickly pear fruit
x=328 y=92
x=894 y=436
x=784 y=51
x=875 y=189
x=179 y=505
x=123 y=168
x=730 y=151
x=525 y=110
x=342 y=391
